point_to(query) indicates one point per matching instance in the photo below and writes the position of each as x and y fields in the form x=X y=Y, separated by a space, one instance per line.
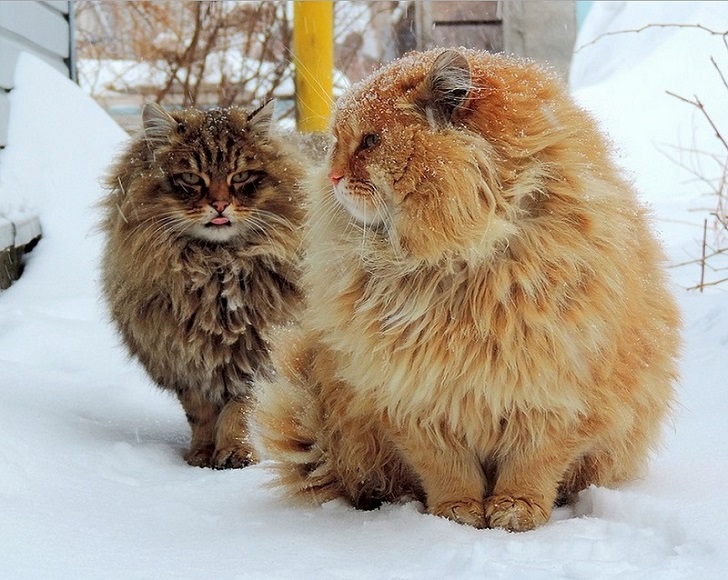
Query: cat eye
x=246 y=183
x=368 y=141
x=241 y=177
x=190 y=178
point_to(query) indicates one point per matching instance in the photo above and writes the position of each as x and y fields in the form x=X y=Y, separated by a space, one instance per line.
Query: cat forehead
x=392 y=81
x=385 y=96
x=373 y=107
x=381 y=93
x=217 y=122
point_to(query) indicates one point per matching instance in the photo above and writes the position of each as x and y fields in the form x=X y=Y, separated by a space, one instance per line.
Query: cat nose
x=220 y=205
x=335 y=177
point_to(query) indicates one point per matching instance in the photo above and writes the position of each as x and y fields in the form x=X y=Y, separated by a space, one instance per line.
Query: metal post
x=423 y=25
x=313 y=54
x=71 y=60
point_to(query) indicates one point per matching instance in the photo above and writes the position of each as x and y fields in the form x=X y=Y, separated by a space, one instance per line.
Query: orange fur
x=489 y=327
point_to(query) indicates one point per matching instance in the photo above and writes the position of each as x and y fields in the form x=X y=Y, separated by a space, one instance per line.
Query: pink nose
x=220 y=205
x=335 y=177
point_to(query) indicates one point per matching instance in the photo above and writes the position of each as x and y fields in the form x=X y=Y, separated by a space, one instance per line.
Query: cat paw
x=468 y=512
x=200 y=456
x=233 y=458
x=515 y=514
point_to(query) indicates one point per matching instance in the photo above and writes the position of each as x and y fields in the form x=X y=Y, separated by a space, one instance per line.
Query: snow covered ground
x=92 y=483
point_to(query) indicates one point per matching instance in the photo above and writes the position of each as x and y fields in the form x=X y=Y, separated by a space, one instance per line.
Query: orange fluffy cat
x=489 y=328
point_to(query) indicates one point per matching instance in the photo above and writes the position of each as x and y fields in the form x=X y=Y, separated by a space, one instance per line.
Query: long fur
x=197 y=308
x=488 y=326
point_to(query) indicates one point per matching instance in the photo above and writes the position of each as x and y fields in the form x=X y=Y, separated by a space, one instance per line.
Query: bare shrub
x=714 y=244
x=216 y=53
x=186 y=53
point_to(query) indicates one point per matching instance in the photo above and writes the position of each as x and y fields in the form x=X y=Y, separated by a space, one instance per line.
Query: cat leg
x=232 y=445
x=451 y=476
x=580 y=475
x=528 y=480
x=615 y=461
x=202 y=416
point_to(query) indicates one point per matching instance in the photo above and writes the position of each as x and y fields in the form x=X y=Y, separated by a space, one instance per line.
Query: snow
x=92 y=483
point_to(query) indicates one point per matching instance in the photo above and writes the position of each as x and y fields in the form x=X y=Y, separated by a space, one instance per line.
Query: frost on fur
x=488 y=320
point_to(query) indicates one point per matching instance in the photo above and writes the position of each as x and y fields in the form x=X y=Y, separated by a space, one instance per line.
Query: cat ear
x=447 y=87
x=158 y=123
x=261 y=119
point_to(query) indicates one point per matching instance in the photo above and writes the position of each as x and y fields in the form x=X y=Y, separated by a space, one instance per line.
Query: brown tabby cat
x=201 y=261
x=489 y=327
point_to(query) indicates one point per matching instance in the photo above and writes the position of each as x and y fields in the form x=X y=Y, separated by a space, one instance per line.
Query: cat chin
x=215 y=234
x=362 y=215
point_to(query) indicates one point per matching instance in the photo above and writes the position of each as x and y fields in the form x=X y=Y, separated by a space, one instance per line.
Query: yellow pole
x=313 y=55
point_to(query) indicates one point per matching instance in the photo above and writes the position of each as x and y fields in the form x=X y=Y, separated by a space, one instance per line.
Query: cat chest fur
x=448 y=339
x=211 y=313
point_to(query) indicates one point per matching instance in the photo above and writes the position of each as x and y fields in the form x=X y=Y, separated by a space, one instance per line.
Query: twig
x=708 y=256
x=702 y=260
x=701 y=286
x=724 y=34
x=720 y=72
x=698 y=103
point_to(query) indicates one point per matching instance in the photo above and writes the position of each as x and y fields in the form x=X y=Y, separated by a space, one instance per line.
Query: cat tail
x=288 y=424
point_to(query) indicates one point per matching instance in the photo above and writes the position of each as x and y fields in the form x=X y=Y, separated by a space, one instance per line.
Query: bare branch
x=699 y=105
x=723 y=34
x=702 y=286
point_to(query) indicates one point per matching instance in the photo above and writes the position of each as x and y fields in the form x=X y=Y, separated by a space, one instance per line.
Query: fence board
x=58 y=5
x=4 y=117
x=44 y=27
x=9 y=51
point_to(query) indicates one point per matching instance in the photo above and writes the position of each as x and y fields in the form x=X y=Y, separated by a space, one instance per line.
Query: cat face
x=403 y=165
x=211 y=175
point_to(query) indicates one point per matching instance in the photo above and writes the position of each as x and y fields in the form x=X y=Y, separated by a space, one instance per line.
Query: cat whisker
x=384 y=212
x=385 y=226
x=272 y=218
x=330 y=210
x=260 y=225
x=143 y=226
x=318 y=87
x=121 y=213
x=165 y=225
x=272 y=225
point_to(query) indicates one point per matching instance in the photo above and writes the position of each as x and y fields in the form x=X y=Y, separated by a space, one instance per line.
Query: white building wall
x=45 y=29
